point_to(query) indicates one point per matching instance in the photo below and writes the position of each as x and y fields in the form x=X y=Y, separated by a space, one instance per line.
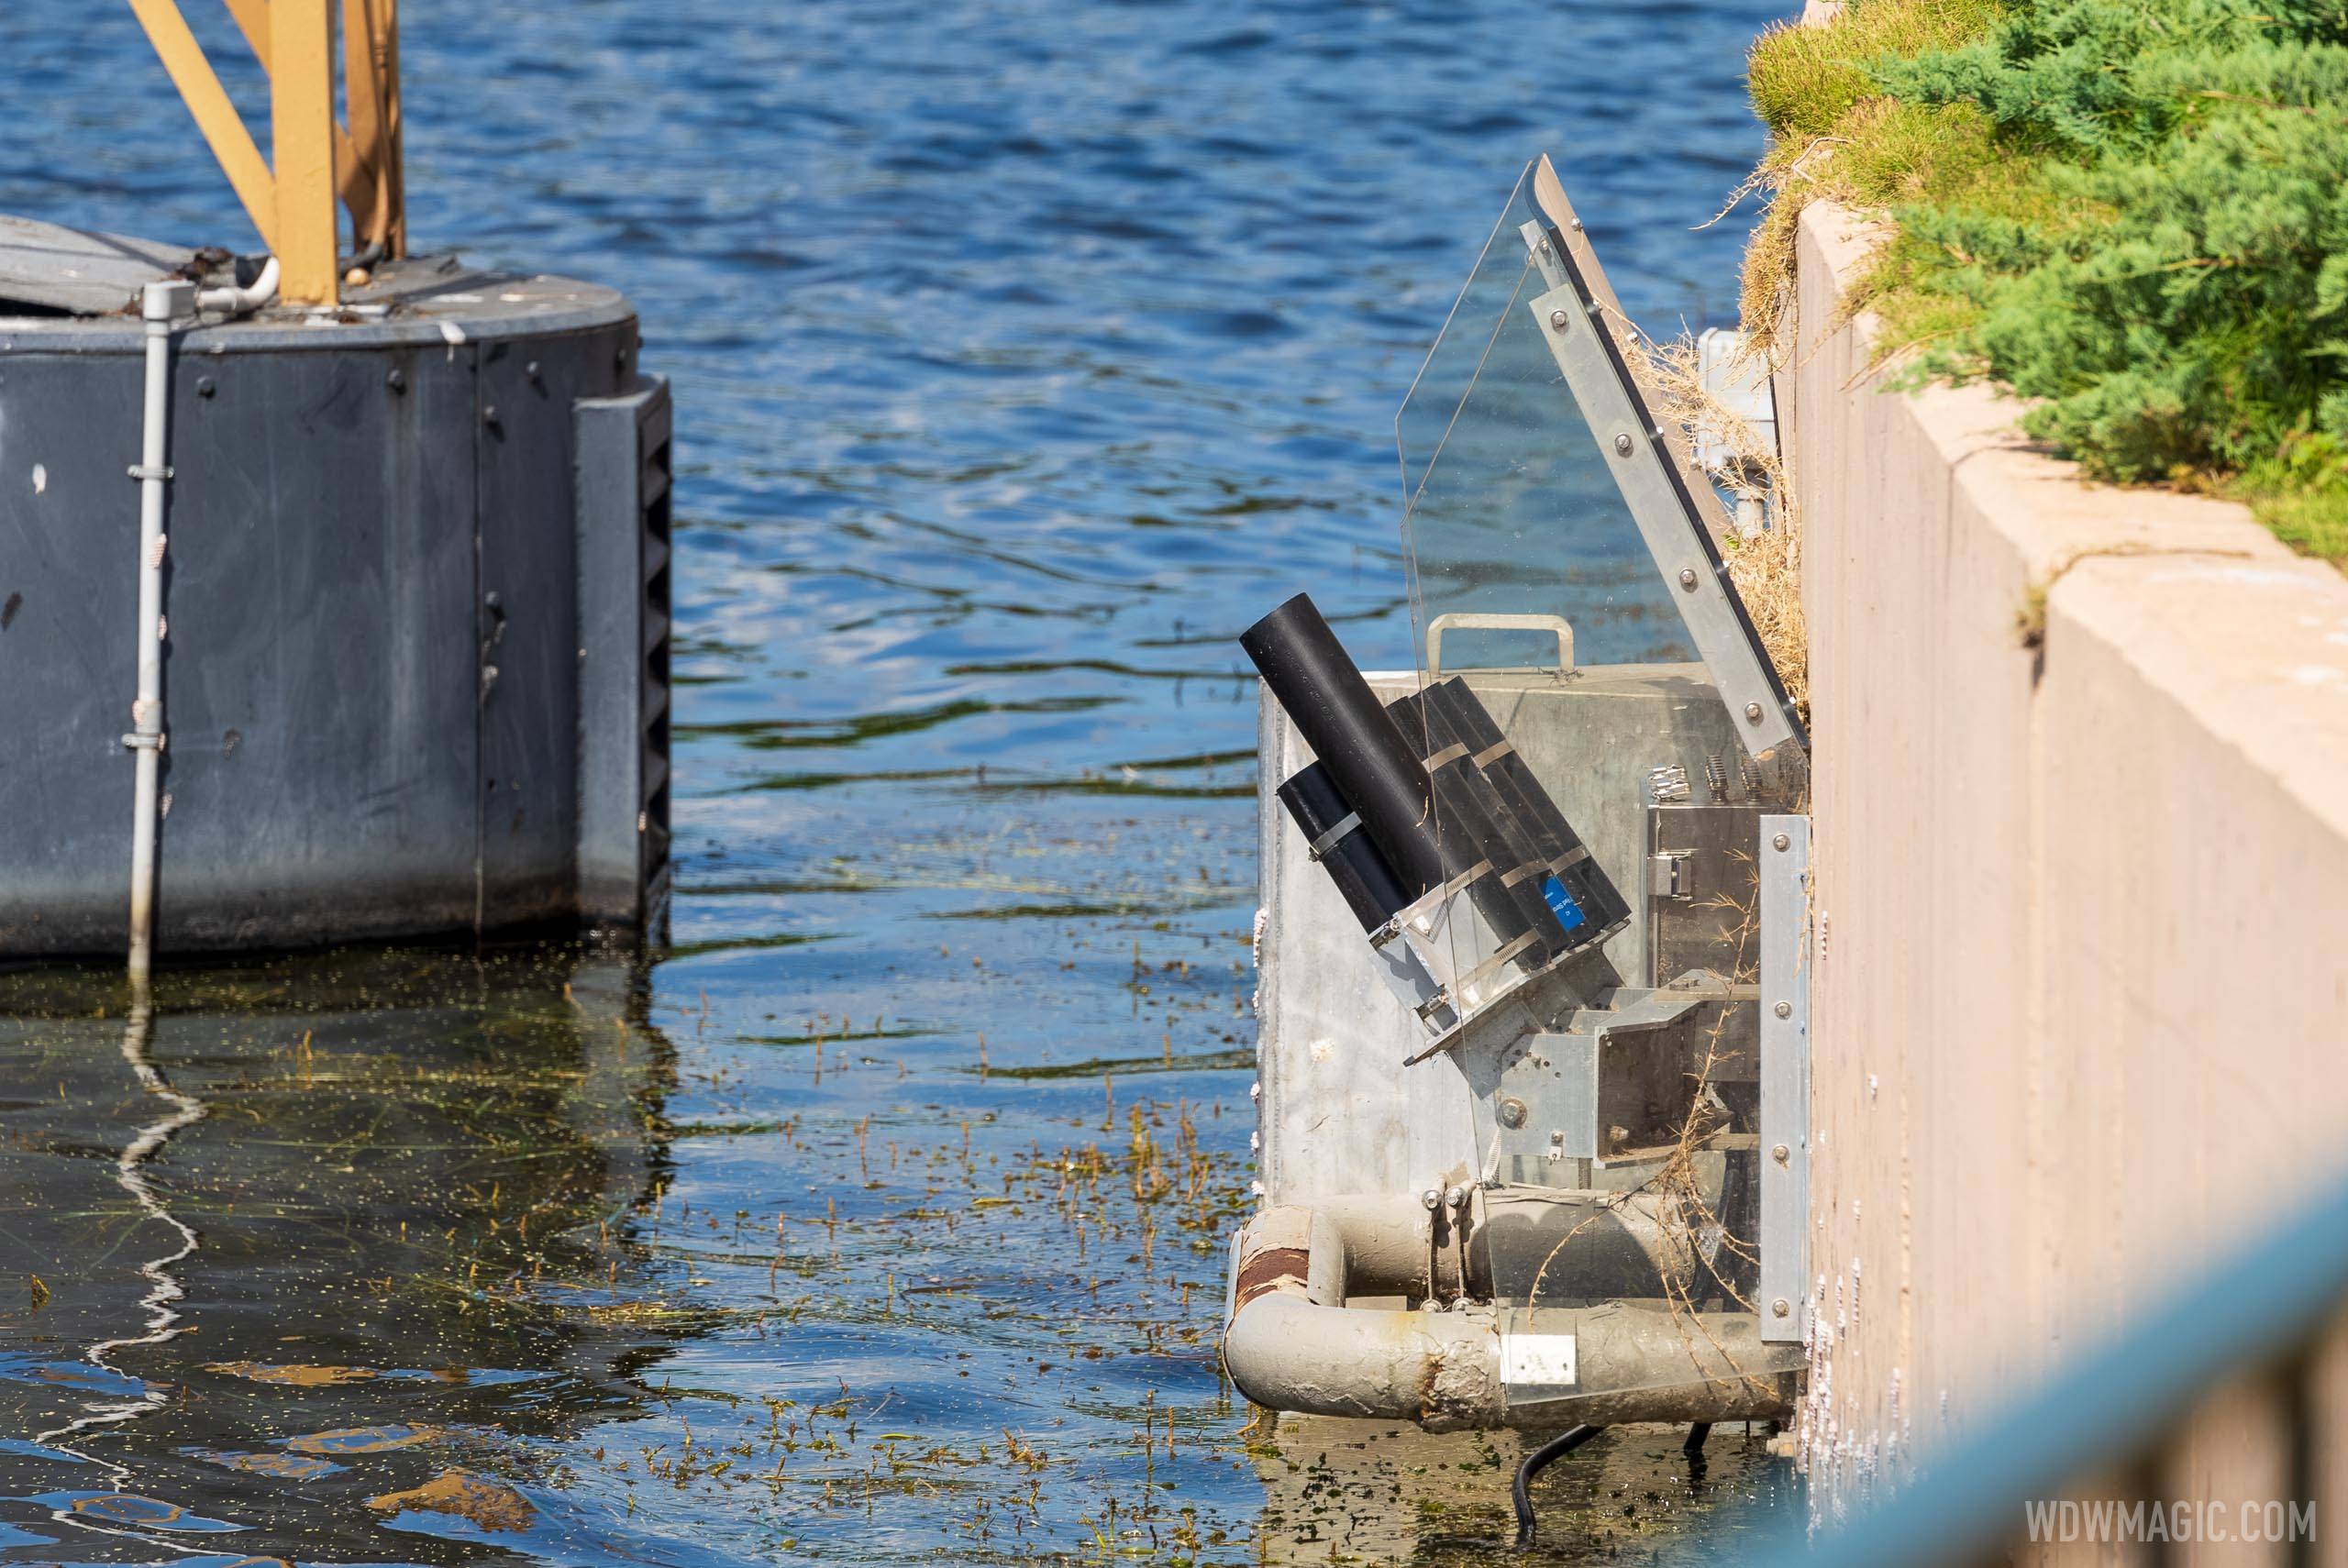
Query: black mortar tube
x=1511 y=781
x=1510 y=904
x=1368 y=759
x=1352 y=861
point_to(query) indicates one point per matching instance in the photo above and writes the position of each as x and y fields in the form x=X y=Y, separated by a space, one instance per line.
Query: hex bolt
x=1688 y=578
x=1782 y=1308
x=1623 y=445
x=1779 y=1153
x=1784 y=1010
x=1558 y=318
x=1753 y=712
x=1781 y=843
x=1512 y=1111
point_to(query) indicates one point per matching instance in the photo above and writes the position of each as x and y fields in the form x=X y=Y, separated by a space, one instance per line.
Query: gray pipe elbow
x=1293 y=1344
x=1439 y=1369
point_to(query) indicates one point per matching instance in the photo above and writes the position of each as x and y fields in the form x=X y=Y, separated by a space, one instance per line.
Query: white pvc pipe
x=161 y=305
x=235 y=301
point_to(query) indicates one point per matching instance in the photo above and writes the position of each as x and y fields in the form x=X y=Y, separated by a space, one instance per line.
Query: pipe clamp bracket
x=1337 y=831
x=141 y=472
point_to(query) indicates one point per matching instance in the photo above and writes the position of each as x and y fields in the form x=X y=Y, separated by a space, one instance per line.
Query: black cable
x=1540 y=1459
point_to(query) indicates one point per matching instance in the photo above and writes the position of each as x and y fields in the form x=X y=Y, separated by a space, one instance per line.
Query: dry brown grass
x=1765 y=563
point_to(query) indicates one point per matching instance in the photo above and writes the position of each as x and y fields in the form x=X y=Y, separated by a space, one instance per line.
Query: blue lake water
x=1023 y=354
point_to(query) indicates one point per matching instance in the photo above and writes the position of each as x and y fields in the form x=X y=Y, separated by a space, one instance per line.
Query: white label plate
x=1536 y=1364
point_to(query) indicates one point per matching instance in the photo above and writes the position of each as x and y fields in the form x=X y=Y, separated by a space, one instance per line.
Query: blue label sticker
x=1561 y=903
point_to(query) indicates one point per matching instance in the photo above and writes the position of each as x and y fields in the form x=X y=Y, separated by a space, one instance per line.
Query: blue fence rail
x=2256 y=1320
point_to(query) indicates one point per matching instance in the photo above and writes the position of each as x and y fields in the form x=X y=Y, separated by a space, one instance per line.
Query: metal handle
x=1471 y=621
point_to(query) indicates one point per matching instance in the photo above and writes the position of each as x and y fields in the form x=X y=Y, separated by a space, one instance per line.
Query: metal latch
x=1668 y=874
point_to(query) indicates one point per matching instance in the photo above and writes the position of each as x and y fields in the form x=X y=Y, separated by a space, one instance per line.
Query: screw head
x=1512 y=1111
x=1457 y=1197
x=1558 y=319
x=1779 y=1153
x=1431 y=1198
x=1781 y=843
x=203 y=387
x=1783 y=1009
x=1557 y=1136
x=396 y=380
x=1623 y=445
x=1782 y=1308
x=1753 y=713
x=1688 y=578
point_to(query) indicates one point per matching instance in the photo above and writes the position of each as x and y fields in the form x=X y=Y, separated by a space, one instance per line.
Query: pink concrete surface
x=2080 y=907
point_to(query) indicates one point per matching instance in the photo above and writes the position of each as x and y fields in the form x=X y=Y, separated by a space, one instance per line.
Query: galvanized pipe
x=1293 y=1342
x=161 y=305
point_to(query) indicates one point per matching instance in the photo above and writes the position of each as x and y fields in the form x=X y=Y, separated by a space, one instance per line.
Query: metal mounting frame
x=1783 y=855
x=1671 y=501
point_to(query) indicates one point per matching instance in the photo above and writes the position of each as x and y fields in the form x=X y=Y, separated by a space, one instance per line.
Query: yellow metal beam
x=384 y=17
x=301 y=101
x=252 y=20
x=365 y=191
x=215 y=117
x=355 y=182
x=317 y=161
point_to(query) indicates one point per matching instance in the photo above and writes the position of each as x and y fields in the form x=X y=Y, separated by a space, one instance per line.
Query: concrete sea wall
x=2080 y=907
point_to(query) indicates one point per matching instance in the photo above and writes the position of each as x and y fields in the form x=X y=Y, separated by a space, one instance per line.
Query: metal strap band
x=1491 y=753
x=1420 y=911
x=142 y=471
x=1475 y=978
x=1328 y=840
x=1448 y=755
x=1452 y=888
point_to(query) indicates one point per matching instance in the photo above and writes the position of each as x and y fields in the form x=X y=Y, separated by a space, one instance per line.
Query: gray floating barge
x=415 y=613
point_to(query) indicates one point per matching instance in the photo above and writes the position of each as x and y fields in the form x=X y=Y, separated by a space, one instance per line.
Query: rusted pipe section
x=1293 y=1343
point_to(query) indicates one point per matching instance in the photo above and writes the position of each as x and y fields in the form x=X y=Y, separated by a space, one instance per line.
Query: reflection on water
x=1023 y=354
x=372 y=1235
x=472 y=1258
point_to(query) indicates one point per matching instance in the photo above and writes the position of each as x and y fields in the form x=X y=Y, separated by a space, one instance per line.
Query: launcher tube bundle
x=1466 y=876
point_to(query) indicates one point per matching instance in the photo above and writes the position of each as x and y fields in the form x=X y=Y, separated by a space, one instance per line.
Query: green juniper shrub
x=2132 y=212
